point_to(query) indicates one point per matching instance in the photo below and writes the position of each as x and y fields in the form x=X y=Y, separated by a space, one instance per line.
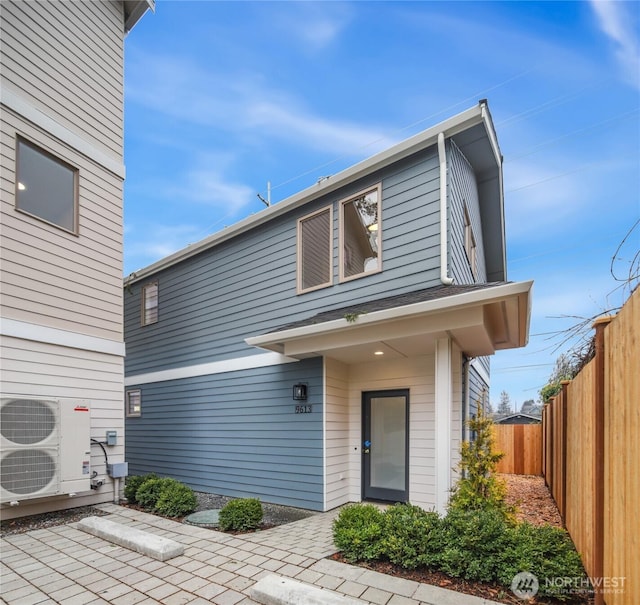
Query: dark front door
x=385 y=445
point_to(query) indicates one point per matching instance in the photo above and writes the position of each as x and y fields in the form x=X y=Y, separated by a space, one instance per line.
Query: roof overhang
x=480 y=322
x=133 y=11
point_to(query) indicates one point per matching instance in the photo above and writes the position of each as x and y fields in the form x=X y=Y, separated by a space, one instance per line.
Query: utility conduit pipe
x=442 y=156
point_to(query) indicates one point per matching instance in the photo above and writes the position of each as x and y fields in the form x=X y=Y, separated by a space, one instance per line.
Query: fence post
x=563 y=462
x=599 y=454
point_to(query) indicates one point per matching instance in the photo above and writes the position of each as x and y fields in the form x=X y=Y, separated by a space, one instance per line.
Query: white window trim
x=143 y=310
x=299 y=288
x=341 y=228
x=127 y=408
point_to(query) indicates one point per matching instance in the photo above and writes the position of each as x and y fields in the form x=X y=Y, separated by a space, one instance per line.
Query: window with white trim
x=360 y=234
x=46 y=186
x=133 y=403
x=150 y=303
x=315 y=250
x=470 y=244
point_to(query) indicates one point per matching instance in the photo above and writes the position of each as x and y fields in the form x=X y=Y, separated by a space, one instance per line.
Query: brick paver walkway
x=68 y=566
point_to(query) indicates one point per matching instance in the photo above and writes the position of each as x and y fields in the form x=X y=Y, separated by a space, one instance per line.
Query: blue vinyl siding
x=246 y=286
x=463 y=192
x=235 y=434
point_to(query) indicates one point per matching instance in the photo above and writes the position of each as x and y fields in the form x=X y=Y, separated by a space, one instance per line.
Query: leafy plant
x=474 y=543
x=132 y=483
x=150 y=491
x=547 y=552
x=242 y=514
x=358 y=532
x=412 y=536
x=353 y=317
x=176 y=499
x=478 y=486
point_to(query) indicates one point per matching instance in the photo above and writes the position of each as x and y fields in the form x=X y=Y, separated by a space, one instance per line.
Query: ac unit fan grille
x=26 y=421
x=27 y=471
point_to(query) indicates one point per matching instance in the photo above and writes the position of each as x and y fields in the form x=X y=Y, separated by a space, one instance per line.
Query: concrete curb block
x=140 y=541
x=276 y=590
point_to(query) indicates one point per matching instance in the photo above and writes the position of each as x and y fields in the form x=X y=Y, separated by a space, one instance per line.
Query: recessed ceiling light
x=378 y=352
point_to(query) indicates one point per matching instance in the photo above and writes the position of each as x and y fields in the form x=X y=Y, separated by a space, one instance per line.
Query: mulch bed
x=535 y=505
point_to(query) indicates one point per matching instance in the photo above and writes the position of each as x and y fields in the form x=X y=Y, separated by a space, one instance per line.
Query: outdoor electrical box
x=118 y=469
x=112 y=437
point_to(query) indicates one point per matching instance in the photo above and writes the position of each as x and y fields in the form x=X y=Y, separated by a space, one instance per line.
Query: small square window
x=150 y=303
x=46 y=187
x=133 y=403
x=315 y=267
x=360 y=234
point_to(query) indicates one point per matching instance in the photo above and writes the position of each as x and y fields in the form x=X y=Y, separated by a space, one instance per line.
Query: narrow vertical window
x=133 y=403
x=150 y=303
x=470 y=244
x=46 y=187
x=315 y=250
x=360 y=234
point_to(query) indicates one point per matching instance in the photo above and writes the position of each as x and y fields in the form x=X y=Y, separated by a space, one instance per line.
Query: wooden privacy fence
x=522 y=448
x=591 y=457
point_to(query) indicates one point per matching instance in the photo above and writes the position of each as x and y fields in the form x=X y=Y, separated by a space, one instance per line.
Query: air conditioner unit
x=45 y=447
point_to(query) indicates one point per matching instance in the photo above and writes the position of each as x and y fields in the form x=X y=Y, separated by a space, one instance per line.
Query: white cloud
x=243 y=104
x=619 y=21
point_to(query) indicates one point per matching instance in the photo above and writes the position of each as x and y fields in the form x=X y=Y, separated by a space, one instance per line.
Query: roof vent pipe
x=442 y=156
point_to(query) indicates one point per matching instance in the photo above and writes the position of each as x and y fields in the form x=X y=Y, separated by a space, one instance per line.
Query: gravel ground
x=274 y=514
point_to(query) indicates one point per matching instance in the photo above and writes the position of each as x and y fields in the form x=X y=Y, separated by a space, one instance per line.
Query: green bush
x=150 y=491
x=132 y=484
x=475 y=541
x=412 y=536
x=547 y=552
x=176 y=500
x=241 y=514
x=358 y=532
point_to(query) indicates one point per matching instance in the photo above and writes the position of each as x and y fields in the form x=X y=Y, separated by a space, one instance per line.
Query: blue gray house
x=329 y=348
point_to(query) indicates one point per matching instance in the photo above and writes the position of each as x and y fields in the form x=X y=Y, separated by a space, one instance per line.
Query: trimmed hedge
x=241 y=514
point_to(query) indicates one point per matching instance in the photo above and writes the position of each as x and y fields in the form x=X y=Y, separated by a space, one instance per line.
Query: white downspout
x=442 y=156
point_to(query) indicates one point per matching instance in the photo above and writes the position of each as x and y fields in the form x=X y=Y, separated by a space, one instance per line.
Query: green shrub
x=358 y=532
x=412 y=536
x=475 y=542
x=132 y=484
x=547 y=552
x=150 y=491
x=176 y=500
x=241 y=514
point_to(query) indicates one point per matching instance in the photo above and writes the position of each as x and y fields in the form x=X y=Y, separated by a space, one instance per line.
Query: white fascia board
x=422 y=140
x=447 y=303
x=14 y=328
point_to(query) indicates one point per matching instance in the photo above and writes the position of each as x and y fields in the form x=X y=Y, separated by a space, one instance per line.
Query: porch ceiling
x=481 y=320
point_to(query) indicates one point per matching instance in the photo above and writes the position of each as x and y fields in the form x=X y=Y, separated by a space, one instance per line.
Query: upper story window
x=315 y=250
x=150 y=303
x=360 y=234
x=470 y=244
x=46 y=187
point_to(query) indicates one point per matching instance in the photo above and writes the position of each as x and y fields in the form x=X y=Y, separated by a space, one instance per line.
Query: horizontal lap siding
x=235 y=434
x=66 y=58
x=52 y=277
x=33 y=369
x=247 y=286
x=463 y=191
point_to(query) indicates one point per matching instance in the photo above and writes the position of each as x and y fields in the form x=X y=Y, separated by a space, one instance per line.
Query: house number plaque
x=303 y=409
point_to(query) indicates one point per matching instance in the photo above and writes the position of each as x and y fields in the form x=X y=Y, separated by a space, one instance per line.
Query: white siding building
x=61 y=330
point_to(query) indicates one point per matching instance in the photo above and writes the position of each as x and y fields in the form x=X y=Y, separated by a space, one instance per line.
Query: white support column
x=443 y=422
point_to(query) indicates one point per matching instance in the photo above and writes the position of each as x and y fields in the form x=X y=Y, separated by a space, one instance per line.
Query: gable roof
x=473 y=132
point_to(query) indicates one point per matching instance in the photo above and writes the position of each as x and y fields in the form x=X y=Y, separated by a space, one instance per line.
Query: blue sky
x=222 y=97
